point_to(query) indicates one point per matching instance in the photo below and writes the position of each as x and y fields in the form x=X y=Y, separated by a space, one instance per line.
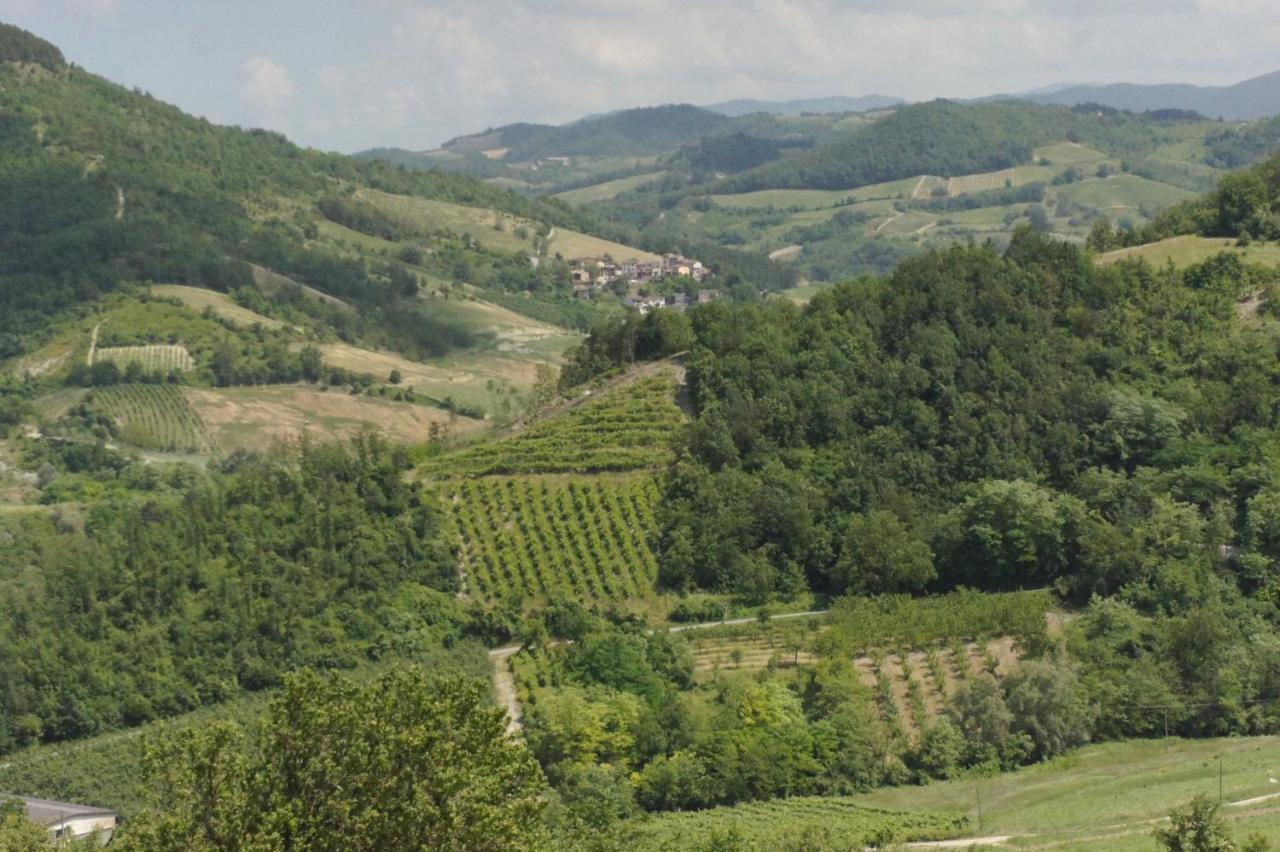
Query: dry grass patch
x=222 y=305
x=254 y=418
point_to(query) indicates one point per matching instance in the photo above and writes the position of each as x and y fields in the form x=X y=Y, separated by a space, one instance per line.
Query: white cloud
x=265 y=84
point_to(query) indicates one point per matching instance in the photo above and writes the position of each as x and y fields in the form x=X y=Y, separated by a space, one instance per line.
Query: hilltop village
x=632 y=279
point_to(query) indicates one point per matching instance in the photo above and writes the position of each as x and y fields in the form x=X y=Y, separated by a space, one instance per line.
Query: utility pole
x=1219 y=780
x=977 y=791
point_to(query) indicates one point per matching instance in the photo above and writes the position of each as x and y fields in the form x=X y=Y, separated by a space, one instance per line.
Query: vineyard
x=826 y=822
x=152 y=358
x=153 y=417
x=537 y=538
x=626 y=429
x=981 y=183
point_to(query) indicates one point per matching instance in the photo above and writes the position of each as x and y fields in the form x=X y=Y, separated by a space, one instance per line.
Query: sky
x=347 y=75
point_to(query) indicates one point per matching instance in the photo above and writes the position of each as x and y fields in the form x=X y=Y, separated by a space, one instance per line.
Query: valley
x=752 y=477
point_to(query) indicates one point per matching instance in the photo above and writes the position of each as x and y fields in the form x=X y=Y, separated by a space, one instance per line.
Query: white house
x=65 y=820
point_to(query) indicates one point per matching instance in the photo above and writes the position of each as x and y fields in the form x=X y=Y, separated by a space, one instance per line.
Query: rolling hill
x=746 y=106
x=1258 y=97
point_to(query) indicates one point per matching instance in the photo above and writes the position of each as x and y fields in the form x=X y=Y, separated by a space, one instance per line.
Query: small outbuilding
x=65 y=820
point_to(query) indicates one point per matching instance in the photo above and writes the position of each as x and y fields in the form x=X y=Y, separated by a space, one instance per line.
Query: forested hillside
x=1001 y=422
x=109 y=187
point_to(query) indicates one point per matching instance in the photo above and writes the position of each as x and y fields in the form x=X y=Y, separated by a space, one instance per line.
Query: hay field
x=256 y=417
x=607 y=189
x=1186 y=250
x=198 y=298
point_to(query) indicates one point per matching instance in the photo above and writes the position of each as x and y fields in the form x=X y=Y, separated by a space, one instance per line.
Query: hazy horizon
x=403 y=73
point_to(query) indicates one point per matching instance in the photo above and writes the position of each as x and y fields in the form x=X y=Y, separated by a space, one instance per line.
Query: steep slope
x=105 y=187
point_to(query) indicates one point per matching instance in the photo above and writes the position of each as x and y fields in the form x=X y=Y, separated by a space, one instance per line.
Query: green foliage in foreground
x=106 y=770
x=405 y=762
x=804 y=823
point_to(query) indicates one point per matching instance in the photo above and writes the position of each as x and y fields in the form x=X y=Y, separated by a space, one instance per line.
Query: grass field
x=802 y=294
x=154 y=357
x=551 y=538
x=489 y=228
x=55 y=405
x=627 y=428
x=572 y=244
x=1122 y=192
x=1109 y=796
x=982 y=182
x=814 y=199
x=154 y=417
x=255 y=417
x=198 y=298
x=1186 y=250
x=1068 y=154
x=608 y=189
x=835 y=823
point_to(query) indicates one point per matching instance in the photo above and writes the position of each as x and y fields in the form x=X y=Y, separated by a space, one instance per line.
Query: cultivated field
x=1109 y=797
x=222 y=305
x=154 y=358
x=255 y=417
x=154 y=417
x=981 y=182
x=608 y=189
x=1122 y=192
x=548 y=539
x=628 y=428
x=770 y=825
x=1186 y=250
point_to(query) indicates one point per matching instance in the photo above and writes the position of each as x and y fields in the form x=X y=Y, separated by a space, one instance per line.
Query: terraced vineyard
x=822 y=820
x=627 y=429
x=153 y=417
x=153 y=358
x=541 y=538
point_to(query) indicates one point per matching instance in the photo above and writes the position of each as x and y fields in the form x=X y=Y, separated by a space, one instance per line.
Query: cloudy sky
x=352 y=74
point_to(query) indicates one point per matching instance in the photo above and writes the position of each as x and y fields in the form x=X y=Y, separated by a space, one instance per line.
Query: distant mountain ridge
x=1257 y=97
x=746 y=106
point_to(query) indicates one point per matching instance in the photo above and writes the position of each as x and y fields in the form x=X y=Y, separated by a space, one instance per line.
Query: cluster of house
x=590 y=274
x=678 y=301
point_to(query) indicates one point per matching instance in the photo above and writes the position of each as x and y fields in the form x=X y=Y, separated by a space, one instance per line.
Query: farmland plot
x=551 y=539
x=154 y=358
x=153 y=417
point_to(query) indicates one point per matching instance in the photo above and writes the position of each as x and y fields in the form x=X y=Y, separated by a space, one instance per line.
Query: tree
x=409 y=761
x=1048 y=705
x=1009 y=534
x=19 y=834
x=1196 y=828
x=881 y=555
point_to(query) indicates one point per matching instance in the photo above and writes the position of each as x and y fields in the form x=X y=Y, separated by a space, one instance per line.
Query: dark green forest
x=178 y=589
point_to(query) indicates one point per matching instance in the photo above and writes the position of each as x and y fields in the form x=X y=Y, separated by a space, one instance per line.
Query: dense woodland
x=179 y=589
